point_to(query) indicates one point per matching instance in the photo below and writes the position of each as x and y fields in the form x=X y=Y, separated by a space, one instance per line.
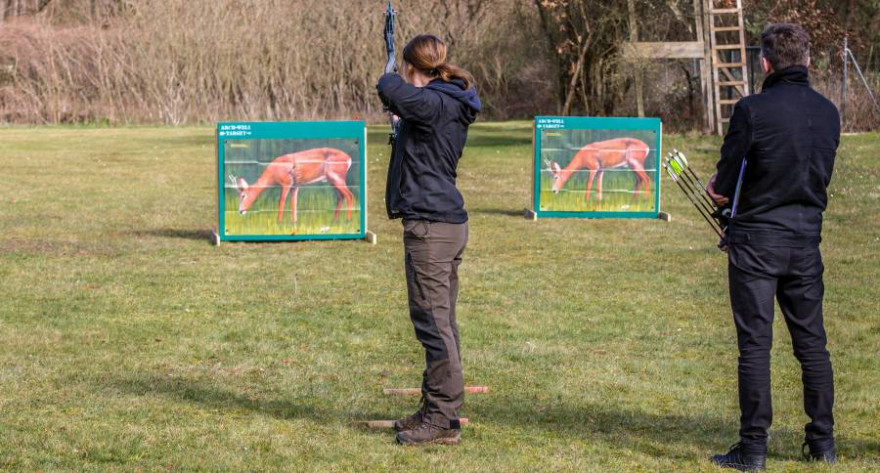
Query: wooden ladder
x=730 y=77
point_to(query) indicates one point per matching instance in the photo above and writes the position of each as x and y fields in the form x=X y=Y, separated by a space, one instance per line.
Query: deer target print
x=296 y=187
x=596 y=167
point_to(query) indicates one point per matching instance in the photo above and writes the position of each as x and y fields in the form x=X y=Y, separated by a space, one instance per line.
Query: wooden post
x=369 y=236
x=215 y=232
x=634 y=37
x=700 y=15
x=742 y=50
x=532 y=213
x=708 y=6
x=843 y=90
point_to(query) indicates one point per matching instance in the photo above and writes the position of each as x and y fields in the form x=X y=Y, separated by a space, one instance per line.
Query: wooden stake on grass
x=417 y=391
x=389 y=424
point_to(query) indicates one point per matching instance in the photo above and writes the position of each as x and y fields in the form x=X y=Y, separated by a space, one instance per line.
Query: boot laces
x=423 y=426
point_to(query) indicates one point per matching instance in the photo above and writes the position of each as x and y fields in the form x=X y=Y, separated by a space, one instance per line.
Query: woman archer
x=436 y=102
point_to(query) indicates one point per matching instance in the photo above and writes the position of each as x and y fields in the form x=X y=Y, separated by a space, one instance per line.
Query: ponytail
x=448 y=72
x=427 y=53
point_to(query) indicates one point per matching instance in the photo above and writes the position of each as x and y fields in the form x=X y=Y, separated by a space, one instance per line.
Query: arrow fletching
x=680 y=164
x=682 y=157
x=672 y=167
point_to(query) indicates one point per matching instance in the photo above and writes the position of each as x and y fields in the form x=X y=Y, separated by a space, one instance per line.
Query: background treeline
x=185 y=61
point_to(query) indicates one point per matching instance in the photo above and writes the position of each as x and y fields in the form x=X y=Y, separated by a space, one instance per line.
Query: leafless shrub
x=185 y=61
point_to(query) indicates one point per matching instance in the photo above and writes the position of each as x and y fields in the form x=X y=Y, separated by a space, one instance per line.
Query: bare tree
x=584 y=37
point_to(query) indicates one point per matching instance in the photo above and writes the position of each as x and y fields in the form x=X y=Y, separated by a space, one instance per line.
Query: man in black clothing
x=789 y=135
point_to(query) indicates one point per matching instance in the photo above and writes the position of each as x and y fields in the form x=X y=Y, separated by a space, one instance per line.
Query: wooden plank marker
x=417 y=391
x=389 y=424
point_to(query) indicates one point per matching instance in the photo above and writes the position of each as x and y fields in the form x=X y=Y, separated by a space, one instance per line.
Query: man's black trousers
x=793 y=276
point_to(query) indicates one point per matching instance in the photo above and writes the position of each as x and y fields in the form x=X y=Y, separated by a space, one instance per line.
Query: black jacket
x=433 y=132
x=789 y=133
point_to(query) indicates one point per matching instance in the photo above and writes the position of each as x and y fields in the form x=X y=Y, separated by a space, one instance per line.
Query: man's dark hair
x=785 y=45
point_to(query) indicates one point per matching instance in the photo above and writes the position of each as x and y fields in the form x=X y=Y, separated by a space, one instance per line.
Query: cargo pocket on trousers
x=415 y=228
x=415 y=278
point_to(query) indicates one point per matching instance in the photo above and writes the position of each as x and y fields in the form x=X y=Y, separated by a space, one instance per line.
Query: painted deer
x=601 y=155
x=291 y=171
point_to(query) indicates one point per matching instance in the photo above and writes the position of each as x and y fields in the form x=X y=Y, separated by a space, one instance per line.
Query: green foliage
x=128 y=342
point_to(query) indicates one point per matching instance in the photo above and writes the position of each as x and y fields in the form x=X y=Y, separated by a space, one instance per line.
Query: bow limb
x=391 y=63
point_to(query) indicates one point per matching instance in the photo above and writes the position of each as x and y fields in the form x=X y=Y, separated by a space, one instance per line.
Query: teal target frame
x=561 y=157
x=321 y=164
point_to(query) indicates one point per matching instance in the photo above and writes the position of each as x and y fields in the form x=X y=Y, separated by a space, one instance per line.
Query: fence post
x=843 y=89
x=864 y=80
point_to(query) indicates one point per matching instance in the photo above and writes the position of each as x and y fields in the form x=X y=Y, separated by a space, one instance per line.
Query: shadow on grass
x=205 y=394
x=510 y=212
x=184 y=234
x=629 y=429
x=201 y=392
x=657 y=435
x=637 y=430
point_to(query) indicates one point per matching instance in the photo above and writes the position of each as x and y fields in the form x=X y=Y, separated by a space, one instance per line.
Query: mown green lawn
x=129 y=343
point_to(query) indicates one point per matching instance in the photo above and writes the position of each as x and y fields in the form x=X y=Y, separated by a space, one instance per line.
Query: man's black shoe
x=828 y=456
x=738 y=460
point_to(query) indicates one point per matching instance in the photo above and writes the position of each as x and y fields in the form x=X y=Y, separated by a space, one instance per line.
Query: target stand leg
x=370 y=238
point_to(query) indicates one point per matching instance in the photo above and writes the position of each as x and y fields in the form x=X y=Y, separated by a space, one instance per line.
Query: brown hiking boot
x=413 y=421
x=408 y=423
x=428 y=434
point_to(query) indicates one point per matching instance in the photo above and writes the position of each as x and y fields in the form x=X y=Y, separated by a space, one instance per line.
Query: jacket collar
x=456 y=90
x=796 y=75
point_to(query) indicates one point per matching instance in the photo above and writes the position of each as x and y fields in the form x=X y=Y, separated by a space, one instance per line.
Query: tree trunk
x=547 y=27
x=572 y=86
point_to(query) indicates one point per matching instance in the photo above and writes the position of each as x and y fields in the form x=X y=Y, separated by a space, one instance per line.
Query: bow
x=391 y=63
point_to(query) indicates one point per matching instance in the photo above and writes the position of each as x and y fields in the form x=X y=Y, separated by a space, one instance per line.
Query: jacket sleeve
x=413 y=104
x=737 y=143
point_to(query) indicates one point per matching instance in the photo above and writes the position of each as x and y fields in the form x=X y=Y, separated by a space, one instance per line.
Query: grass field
x=129 y=343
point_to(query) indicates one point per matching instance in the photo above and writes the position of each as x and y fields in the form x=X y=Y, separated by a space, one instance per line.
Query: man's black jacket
x=433 y=132
x=789 y=133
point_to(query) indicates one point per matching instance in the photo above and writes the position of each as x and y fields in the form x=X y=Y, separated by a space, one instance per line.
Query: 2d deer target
x=600 y=156
x=295 y=170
